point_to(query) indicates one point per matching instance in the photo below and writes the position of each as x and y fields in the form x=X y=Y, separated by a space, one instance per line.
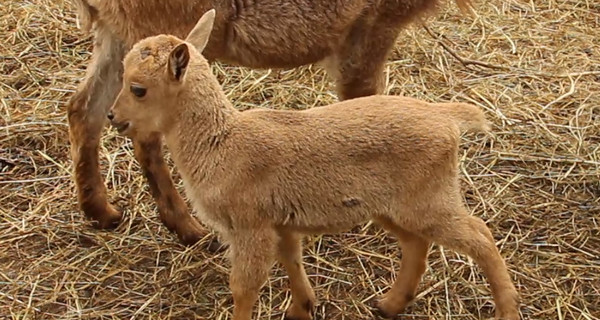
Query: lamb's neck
x=203 y=121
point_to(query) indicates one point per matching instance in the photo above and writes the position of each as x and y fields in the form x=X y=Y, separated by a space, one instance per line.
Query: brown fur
x=352 y=38
x=263 y=178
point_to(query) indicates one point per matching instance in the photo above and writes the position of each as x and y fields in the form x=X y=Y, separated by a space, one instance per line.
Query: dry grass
x=533 y=65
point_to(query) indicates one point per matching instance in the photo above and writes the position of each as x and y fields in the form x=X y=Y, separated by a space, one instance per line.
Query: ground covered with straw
x=534 y=66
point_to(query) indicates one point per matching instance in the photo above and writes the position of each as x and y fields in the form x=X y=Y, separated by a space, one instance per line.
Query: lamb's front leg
x=289 y=254
x=252 y=255
x=172 y=209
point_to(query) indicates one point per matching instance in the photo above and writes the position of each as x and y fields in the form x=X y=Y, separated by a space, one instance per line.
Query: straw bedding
x=534 y=66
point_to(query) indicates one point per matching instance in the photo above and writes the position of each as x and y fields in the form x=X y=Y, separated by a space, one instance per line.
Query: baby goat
x=263 y=178
x=353 y=36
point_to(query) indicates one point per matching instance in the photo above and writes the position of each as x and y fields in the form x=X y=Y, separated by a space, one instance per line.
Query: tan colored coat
x=350 y=37
x=263 y=178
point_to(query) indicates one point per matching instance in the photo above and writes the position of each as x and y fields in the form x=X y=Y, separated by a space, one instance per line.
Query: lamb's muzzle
x=263 y=178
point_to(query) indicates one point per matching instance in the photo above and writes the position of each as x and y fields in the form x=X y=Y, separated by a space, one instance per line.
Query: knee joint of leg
x=76 y=102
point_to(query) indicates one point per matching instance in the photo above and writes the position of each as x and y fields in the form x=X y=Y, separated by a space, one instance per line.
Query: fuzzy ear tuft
x=201 y=33
x=179 y=58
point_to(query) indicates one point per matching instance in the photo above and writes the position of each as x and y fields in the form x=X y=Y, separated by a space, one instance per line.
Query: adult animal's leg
x=357 y=66
x=172 y=209
x=86 y=111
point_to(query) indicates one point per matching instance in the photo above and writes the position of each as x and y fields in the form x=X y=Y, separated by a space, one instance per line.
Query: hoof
x=190 y=237
x=214 y=246
x=380 y=313
x=188 y=230
x=301 y=312
x=194 y=233
x=292 y=317
x=105 y=218
x=295 y=318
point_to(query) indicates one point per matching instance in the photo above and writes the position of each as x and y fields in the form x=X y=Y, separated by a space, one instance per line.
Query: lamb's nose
x=110 y=115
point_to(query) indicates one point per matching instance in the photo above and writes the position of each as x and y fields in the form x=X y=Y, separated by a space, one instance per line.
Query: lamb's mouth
x=121 y=126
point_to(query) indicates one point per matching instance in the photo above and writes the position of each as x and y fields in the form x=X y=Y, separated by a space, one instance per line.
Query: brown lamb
x=263 y=178
x=351 y=37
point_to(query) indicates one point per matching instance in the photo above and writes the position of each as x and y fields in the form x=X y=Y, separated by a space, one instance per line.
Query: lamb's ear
x=178 y=62
x=201 y=32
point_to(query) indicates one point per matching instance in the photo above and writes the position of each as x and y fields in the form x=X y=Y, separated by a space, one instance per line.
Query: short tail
x=468 y=117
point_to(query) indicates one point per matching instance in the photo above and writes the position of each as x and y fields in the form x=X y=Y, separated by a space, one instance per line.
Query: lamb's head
x=154 y=74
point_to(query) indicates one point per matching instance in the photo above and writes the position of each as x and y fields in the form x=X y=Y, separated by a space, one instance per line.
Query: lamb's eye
x=137 y=90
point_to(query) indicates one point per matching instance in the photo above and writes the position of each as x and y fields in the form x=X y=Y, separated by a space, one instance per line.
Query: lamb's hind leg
x=414 y=263
x=172 y=209
x=470 y=235
x=87 y=116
